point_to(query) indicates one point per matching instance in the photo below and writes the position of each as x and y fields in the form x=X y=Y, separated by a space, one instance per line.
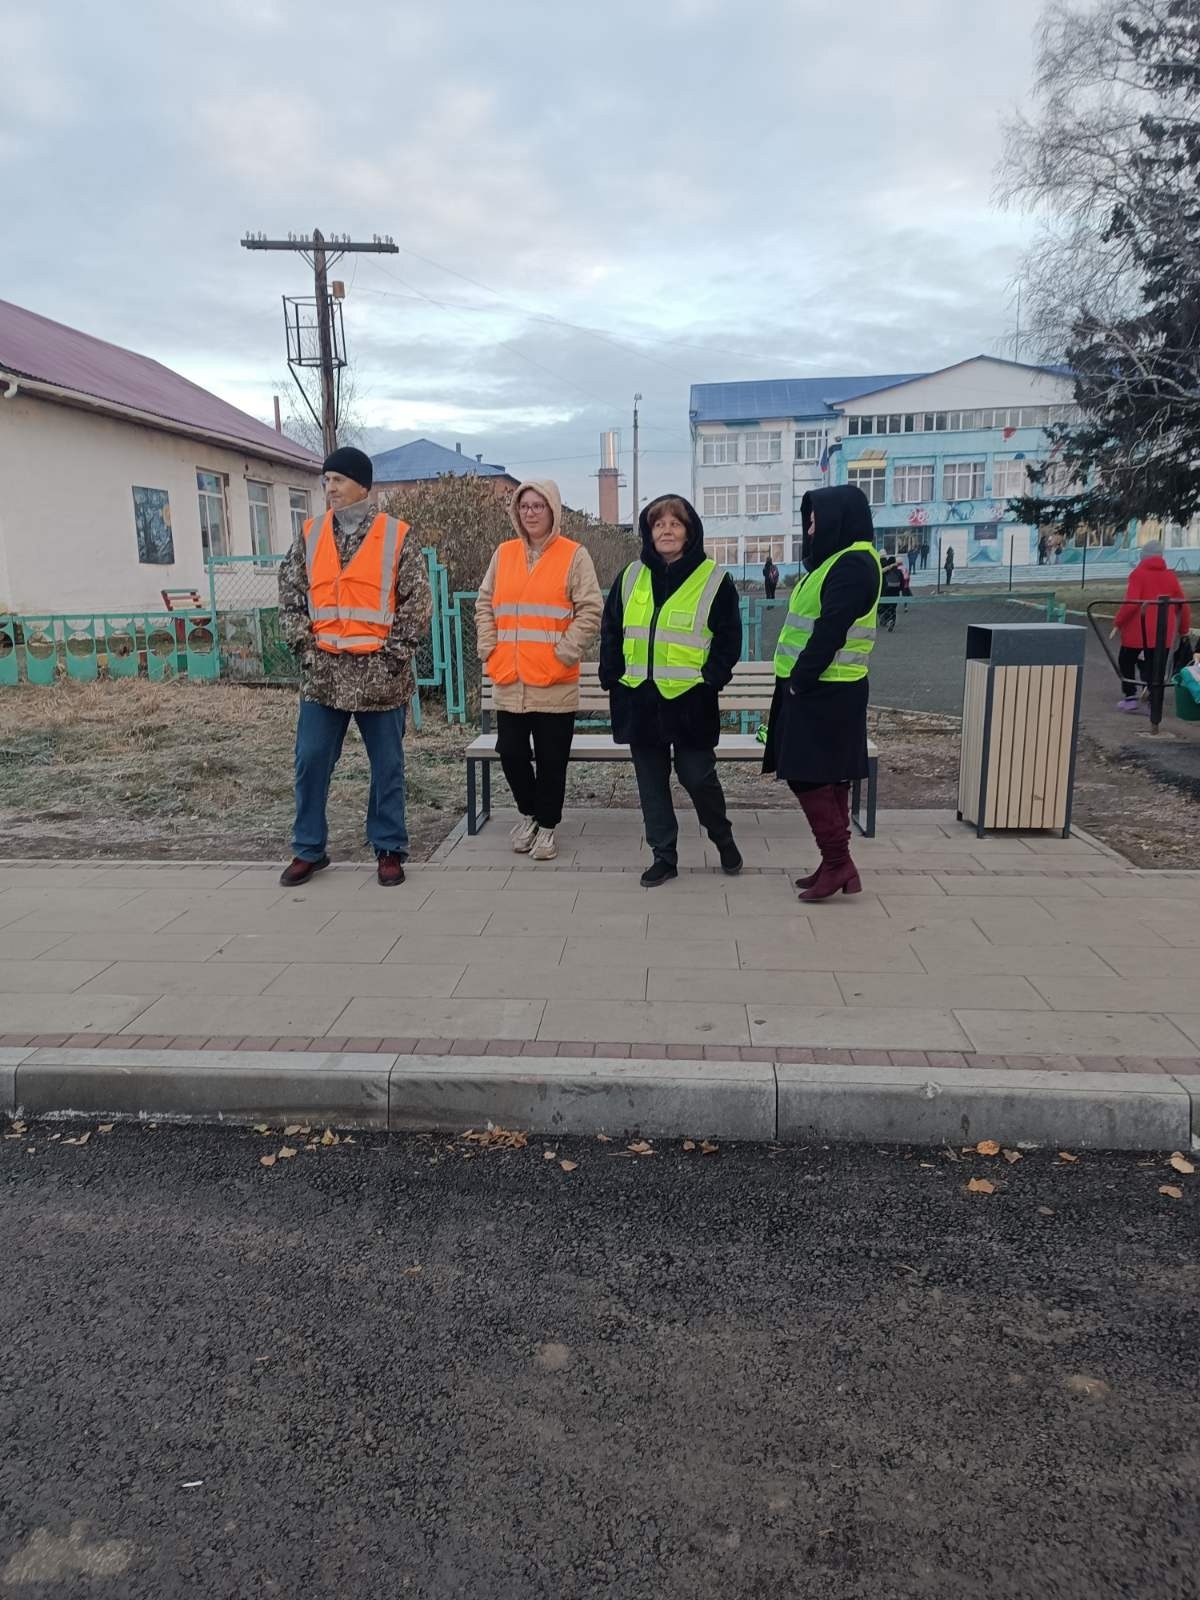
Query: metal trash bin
x=1020 y=725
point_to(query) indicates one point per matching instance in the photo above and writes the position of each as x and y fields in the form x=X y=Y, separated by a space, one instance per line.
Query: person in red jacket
x=1137 y=623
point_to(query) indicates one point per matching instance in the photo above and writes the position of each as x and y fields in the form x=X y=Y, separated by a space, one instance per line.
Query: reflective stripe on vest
x=668 y=644
x=849 y=664
x=532 y=611
x=362 y=593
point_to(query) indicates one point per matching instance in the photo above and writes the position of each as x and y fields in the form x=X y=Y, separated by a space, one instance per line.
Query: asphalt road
x=384 y=1369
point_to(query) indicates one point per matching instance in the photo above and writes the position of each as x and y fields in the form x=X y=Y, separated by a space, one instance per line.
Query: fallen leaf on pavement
x=1181 y=1163
x=1089 y=1388
x=1011 y=1156
x=294 y=1128
x=82 y=1139
x=286 y=1152
x=1065 y=1155
x=491 y=1138
x=261 y=1127
x=329 y=1137
x=707 y=1148
x=932 y=1165
x=412 y=1272
x=18 y=1126
x=106 y=1127
x=568 y=1166
x=549 y=1155
x=603 y=1138
x=266 y=1161
x=980 y=1186
x=987 y=1147
x=689 y=1144
x=1045 y=1211
x=641 y=1148
x=1171 y=1192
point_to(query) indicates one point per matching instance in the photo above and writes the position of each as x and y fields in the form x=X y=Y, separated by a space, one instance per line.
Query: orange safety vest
x=532 y=612
x=353 y=607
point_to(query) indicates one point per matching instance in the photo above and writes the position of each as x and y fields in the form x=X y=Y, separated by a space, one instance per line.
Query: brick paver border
x=932 y=1060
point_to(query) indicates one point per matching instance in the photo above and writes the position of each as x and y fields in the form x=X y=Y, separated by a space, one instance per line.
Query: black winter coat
x=642 y=716
x=817 y=732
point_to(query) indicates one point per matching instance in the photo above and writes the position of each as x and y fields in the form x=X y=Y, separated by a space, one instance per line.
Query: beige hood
x=549 y=491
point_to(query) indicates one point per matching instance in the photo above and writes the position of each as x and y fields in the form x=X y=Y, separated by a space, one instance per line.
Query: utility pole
x=637 y=510
x=330 y=354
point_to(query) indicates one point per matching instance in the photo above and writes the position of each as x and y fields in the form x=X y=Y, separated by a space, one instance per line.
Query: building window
x=299 y=510
x=872 y=481
x=962 y=480
x=1009 y=479
x=763 y=447
x=721 y=500
x=809 y=444
x=762 y=499
x=912 y=483
x=214 y=537
x=261 y=521
x=723 y=551
x=761 y=548
x=718 y=449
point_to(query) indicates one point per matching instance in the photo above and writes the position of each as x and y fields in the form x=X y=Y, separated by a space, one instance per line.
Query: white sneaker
x=523 y=835
x=544 y=847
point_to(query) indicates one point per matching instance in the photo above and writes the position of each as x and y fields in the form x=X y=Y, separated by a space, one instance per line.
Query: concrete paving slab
x=763 y=953
x=351 y=979
x=1107 y=1111
x=395 y=919
x=1013 y=960
x=1031 y=887
x=737 y=925
x=1086 y=1033
x=278 y=1087
x=304 y=946
x=516 y=980
x=126 y=946
x=610 y=924
x=855 y=1028
x=157 y=978
x=742 y=986
x=651 y=1099
x=49 y=976
x=68 y=874
x=466 y=950
x=585 y=950
x=1147 y=961
x=156 y=879
x=236 y=1016
x=1188 y=1023
x=644 y=1022
x=434 y=1018
x=230 y=919
x=71 y=1013
x=136 y=916
x=24 y=944
x=1115 y=994
x=939 y=991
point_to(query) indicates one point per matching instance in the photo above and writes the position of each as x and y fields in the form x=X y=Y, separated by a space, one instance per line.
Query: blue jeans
x=320 y=732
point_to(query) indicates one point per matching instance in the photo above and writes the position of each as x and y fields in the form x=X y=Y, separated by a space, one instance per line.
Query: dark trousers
x=949 y=571
x=1129 y=661
x=534 y=748
x=697 y=772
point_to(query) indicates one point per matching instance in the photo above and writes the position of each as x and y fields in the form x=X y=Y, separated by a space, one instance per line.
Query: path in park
x=959 y=951
x=384 y=1369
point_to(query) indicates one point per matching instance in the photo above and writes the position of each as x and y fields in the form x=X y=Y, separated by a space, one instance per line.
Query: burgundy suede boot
x=828 y=813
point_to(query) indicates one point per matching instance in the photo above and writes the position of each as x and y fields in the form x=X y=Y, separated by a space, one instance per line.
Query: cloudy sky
x=589 y=200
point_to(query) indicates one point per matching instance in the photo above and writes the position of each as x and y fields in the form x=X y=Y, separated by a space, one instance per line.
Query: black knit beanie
x=351 y=463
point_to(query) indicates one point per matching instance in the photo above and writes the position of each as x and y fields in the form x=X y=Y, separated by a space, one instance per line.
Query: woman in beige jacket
x=539 y=607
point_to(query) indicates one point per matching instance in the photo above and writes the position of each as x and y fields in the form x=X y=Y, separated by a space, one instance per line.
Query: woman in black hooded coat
x=688 y=725
x=817 y=731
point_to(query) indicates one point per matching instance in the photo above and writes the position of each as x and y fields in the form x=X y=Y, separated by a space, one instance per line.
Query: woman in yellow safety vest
x=670 y=639
x=817 y=732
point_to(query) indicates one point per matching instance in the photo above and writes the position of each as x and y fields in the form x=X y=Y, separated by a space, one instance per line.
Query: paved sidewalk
x=1006 y=952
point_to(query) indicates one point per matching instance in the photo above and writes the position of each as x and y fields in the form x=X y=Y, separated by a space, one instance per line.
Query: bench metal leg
x=865 y=825
x=477 y=815
x=472 y=814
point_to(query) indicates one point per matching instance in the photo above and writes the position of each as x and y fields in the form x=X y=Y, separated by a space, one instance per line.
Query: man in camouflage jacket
x=374 y=688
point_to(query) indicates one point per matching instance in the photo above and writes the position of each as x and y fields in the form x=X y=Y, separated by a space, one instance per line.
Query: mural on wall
x=152 y=519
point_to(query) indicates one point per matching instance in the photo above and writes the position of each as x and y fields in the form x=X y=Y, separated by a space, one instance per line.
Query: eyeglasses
x=534 y=507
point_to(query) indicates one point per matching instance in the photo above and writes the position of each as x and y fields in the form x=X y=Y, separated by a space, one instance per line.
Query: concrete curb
x=566 y=1095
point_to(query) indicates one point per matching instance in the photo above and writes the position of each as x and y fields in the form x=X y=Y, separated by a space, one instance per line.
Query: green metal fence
x=89 y=646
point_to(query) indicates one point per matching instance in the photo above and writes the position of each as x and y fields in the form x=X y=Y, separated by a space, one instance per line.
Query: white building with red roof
x=119 y=477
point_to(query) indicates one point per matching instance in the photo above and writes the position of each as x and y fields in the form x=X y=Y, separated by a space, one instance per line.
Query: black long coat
x=817 y=732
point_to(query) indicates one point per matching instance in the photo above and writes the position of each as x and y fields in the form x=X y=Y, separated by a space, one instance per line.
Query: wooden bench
x=747 y=694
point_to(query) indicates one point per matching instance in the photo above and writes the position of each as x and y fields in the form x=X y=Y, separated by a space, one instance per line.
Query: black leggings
x=534 y=748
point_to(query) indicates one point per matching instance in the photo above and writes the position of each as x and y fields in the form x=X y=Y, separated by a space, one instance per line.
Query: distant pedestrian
x=1136 y=621
x=538 y=609
x=893 y=589
x=924 y=554
x=671 y=638
x=1041 y=549
x=949 y=565
x=354 y=607
x=770 y=578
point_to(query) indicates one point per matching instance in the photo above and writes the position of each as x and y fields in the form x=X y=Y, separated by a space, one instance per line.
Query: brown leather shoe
x=390 y=870
x=299 y=871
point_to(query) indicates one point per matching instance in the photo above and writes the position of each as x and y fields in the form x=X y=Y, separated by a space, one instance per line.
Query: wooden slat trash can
x=1020 y=726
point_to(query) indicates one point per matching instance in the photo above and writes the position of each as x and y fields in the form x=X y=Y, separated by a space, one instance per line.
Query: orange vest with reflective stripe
x=352 y=607
x=532 y=613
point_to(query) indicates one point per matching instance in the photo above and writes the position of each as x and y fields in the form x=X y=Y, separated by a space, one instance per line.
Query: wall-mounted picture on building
x=152 y=519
